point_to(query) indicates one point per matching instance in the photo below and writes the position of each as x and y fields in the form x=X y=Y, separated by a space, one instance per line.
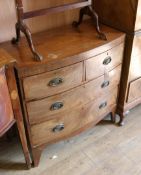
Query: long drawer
x=50 y=83
x=66 y=124
x=97 y=65
x=42 y=110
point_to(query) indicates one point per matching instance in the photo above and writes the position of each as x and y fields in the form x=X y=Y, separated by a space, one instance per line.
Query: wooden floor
x=104 y=150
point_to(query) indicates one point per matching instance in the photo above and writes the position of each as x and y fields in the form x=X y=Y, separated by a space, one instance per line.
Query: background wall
x=8 y=16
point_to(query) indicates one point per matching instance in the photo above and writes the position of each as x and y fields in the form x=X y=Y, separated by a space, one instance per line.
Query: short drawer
x=69 y=123
x=97 y=65
x=50 y=83
x=134 y=90
x=44 y=109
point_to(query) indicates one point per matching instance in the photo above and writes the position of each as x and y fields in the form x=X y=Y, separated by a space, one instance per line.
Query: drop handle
x=107 y=60
x=56 y=106
x=55 y=82
x=58 y=128
x=103 y=105
x=105 y=84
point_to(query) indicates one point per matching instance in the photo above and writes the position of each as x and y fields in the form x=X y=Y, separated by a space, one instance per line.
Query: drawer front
x=50 y=83
x=6 y=112
x=42 y=110
x=68 y=123
x=96 y=66
x=134 y=90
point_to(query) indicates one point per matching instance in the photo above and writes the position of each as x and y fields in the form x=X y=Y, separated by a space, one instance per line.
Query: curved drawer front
x=69 y=123
x=50 y=83
x=42 y=110
x=97 y=65
x=6 y=113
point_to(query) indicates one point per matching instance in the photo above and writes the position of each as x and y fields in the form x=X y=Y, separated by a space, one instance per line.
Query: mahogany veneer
x=73 y=88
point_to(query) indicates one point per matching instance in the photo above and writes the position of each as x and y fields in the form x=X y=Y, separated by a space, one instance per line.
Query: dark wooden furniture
x=86 y=9
x=122 y=14
x=125 y=15
x=73 y=88
x=10 y=111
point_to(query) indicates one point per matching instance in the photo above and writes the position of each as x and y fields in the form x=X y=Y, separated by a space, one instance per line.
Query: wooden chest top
x=63 y=46
x=5 y=58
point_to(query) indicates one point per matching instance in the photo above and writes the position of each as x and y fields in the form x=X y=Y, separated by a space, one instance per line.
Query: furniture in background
x=10 y=111
x=73 y=88
x=86 y=9
x=125 y=15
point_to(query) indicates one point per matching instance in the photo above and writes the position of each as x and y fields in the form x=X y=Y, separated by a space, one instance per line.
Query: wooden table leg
x=18 y=112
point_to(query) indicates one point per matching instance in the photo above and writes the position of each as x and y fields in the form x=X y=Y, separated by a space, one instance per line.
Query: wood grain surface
x=124 y=15
x=95 y=66
x=37 y=86
x=73 y=121
x=51 y=43
x=39 y=111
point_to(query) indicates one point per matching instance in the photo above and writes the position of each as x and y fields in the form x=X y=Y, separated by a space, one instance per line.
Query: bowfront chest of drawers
x=73 y=88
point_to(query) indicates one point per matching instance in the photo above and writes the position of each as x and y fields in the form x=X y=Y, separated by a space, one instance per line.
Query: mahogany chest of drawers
x=125 y=15
x=73 y=88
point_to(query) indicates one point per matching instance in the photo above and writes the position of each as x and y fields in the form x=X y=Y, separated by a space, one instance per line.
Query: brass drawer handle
x=56 y=106
x=58 y=128
x=105 y=84
x=103 y=105
x=107 y=60
x=55 y=82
